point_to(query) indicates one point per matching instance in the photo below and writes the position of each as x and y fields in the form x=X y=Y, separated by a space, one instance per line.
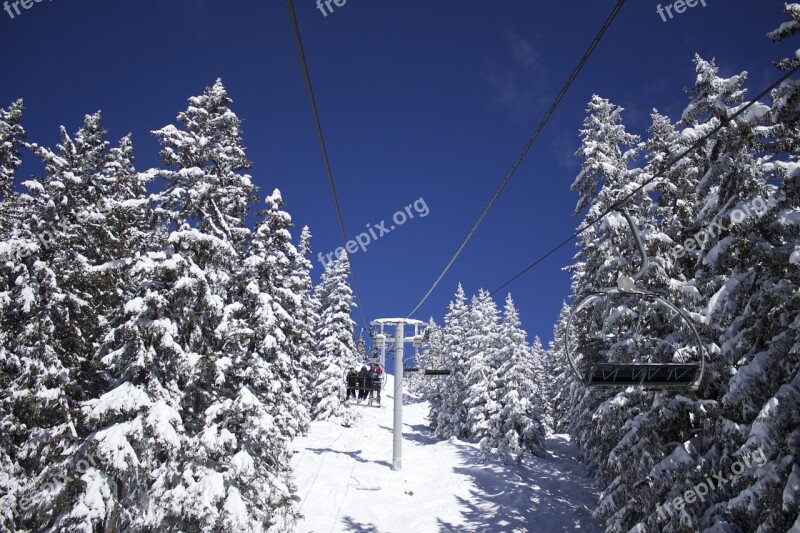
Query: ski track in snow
x=345 y=481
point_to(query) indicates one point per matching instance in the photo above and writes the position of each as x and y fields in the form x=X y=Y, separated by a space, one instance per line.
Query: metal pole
x=383 y=354
x=397 y=450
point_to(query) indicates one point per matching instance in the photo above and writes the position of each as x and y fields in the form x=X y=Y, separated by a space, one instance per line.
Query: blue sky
x=418 y=99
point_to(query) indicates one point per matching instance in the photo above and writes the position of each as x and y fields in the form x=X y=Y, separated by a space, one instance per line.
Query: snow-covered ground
x=346 y=482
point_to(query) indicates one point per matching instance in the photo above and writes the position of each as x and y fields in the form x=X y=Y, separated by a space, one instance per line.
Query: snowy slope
x=346 y=483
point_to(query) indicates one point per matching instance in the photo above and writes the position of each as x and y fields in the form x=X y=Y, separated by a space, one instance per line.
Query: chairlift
x=627 y=350
x=367 y=384
x=418 y=340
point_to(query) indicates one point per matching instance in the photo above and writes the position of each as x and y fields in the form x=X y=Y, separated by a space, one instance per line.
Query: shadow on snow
x=537 y=495
x=354 y=454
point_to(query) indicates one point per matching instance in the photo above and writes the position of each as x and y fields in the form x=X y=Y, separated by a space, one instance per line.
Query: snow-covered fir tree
x=722 y=249
x=66 y=283
x=12 y=430
x=12 y=136
x=307 y=316
x=606 y=250
x=336 y=345
x=451 y=417
x=561 y=386
x=481 y=347
x=515 y=427
x=187 y=437
x=281 y=272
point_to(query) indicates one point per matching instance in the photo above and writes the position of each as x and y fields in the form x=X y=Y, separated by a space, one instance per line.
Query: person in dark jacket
x=352 y=383
x=361 y=381
x=370 y=384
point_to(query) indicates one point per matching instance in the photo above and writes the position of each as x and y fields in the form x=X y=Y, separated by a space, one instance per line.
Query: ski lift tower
x=400 y=339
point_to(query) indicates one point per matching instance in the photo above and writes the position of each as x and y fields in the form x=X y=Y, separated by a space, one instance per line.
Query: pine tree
x=561 y=386
x=515 y=428
x=275 y=265
x=188 y=437
x=606 y=251
x=63 y=288
x=452 y=416
x=208 y=188
x=307 y=317
x=481 y=345
x=12 y=215
x=539 y=367
x=666 y=444
x=336 y=349
x=12 y=135
x=722 y=269
x=756 y=311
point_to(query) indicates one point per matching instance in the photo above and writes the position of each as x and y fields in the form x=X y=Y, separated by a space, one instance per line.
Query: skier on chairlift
x=352 y=383
x=361 y=381
x=374 y=382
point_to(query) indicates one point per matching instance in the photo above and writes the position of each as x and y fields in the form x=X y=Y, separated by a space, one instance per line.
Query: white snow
x=789 y=218
x=123 y=399
x=163 y=419
x=345 y=481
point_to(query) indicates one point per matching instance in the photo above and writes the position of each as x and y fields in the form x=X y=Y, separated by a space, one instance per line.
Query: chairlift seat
x=428 y=371
x=366 y=384
x=644 y=374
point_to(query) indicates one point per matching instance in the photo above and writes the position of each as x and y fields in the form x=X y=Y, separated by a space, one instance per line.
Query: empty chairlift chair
x=626 y=349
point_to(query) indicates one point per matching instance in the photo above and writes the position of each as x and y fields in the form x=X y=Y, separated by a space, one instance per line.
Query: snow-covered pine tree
x=652 y=429
x=260 y=372
x=208 y=191
x=606 y=250
x=12 y=431
x=64 y=285
x=539 y=365
x=307 y=315
x=624 y=434
x=561 y=387
x=758 y=260
x=452 y=416
x=516 y=428
x=721 y=197
x=336 y=348
x=726 y=176
x=12 y=135
x=282 y=274
x=207 y=197
x=481 y=345
x=186 y=439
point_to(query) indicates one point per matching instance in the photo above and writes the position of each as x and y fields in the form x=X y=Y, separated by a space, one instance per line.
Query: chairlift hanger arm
x=639 y=246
